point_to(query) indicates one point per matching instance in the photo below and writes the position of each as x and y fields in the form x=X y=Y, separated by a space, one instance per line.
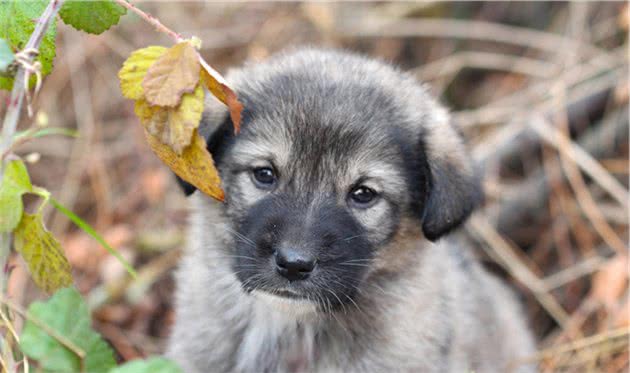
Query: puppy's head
x=335 y=152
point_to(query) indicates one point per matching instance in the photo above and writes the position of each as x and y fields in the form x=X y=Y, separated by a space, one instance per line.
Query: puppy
x=329 y=253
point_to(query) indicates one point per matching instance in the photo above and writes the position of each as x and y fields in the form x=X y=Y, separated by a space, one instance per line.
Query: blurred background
x=539 y=89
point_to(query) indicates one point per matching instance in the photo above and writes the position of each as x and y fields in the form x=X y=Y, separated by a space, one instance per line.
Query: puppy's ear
x=453 y=190
x=216 y=129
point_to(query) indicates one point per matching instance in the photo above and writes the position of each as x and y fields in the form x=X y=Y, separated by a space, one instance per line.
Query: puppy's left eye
x=264 y=177
x=362 y=196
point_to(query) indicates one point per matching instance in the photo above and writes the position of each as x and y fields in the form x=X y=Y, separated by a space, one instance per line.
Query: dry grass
x=540 y=90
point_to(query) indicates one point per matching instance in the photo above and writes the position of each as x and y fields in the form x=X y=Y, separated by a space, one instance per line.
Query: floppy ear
x=453 y=190
x=215 y=128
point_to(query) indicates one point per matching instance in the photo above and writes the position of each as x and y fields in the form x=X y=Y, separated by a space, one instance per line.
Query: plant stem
x=175 y=36
x=152 y=20
x=13 y=115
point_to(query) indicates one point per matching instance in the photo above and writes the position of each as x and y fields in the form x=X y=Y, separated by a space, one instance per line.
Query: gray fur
x=394 y=297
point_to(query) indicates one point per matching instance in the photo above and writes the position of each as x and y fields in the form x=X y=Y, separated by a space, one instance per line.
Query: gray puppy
x=325 y=255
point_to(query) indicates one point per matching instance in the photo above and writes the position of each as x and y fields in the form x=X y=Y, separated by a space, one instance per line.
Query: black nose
x=294 y=264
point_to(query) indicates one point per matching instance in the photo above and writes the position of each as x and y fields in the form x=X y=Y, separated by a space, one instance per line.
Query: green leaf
x=59 y=336
x=17 y=23
x=6 y=56
x=91 y=16
x=89 y=230
x=152 y=365
x=42 y=253
x=15 y=182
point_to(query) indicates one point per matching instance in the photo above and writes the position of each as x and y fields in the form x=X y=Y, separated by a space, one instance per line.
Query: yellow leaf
x=173 y=126
x=225 y=95
x=194 y=165
x=135 y=68
x=176 y=72
x=42 y=253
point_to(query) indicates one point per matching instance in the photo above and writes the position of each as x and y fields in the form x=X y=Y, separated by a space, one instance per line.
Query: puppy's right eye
x=264 y=177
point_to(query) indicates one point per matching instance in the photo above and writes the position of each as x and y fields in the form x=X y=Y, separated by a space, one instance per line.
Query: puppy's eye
x=264 y=177
x=362 y=196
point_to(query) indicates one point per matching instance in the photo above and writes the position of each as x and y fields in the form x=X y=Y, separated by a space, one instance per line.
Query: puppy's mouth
x=286 y=302
x=289 y=294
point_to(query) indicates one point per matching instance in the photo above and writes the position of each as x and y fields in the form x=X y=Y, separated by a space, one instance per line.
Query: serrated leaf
x=6 y=56
x=152 y=365
x=15 y=182
x=194 y=165
x=135 y=68
x=93 y=17
x=53 y=325
x=173 y=126
x=225 y=95
x=17 y=23
x=42 y=253
x=175 y=73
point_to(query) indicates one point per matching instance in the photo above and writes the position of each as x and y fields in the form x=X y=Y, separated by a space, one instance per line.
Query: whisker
x=354 y=265
x=240 y=236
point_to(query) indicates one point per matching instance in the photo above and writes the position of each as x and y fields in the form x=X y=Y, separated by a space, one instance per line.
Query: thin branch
x=583 y=268
x=174 y=35
x=502 y=252
x=485 y=60
x=584 y=160
x=464 y=29
x=579 y=344
x=17 y=93
x=152 y=20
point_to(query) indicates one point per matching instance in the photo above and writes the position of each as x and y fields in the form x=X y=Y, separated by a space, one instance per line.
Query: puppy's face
x=326 y=166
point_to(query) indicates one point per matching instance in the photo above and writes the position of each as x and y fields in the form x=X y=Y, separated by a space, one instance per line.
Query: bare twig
x=584 y=160
x=587 y=266
x=485 y=60
x=504 y=255
x=580 y=344
x=466 y=29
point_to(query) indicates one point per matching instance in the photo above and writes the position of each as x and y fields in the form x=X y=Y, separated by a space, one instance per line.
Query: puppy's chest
x=275 y=345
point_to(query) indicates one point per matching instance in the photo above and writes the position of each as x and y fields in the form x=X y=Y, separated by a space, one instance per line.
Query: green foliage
x=15 y=182
x=89 y=230
x=59 y=336
x=17 y=22
x=152 y=365
x=42 y=253
x=6 y=56
x=91 y=16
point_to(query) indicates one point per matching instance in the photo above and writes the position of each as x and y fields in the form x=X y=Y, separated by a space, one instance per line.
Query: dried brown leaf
x=195 y=164
x=225 y=95
x=173 y=126
x=176 y=72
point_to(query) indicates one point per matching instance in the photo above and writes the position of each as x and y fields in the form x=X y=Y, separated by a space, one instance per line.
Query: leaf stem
x=12 y=115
